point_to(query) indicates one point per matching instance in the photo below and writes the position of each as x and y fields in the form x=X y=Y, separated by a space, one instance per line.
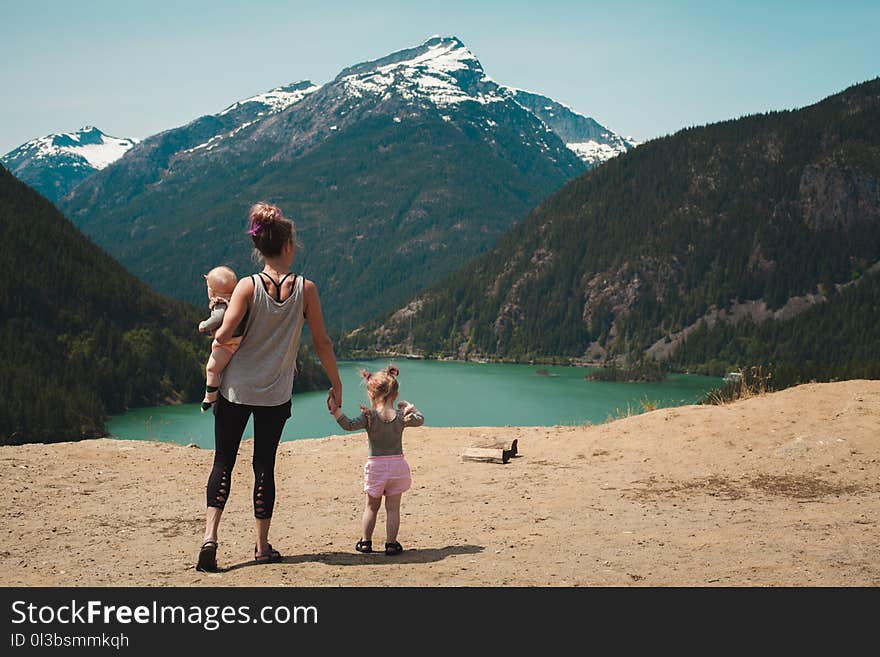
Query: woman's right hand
x=331 y=401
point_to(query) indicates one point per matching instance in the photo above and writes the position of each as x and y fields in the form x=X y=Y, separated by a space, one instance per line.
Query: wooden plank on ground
x=485 y=455
x=508 y=446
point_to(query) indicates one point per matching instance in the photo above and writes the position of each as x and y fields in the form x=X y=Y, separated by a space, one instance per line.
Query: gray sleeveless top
x=261 y=371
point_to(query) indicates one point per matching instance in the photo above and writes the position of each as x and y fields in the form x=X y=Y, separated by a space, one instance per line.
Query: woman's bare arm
x=238 y=306
x=320 y=339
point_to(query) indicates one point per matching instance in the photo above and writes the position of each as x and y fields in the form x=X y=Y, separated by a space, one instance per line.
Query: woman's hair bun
x=392 y=370
x=269 y=229
x=265 y=213
x=260 y=215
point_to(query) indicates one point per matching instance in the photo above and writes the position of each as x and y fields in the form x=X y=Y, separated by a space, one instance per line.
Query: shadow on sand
x=415 y=555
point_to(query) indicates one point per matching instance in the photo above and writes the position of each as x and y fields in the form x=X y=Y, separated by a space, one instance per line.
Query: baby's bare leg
x=213 y=370
x=216 y=364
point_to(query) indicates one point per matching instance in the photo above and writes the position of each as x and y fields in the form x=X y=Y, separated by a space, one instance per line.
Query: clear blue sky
x=645 y=69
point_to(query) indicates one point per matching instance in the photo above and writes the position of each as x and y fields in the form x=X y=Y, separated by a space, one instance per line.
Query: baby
x=221 y=282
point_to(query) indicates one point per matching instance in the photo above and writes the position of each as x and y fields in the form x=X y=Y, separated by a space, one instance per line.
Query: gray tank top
x=261 y=371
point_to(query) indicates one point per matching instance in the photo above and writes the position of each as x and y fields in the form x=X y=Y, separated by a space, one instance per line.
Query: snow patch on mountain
x=89 y=147
x=277 y=99
x=594 y=152
x=215 y=140
x=434 y=72
x=592 y=142
x=444 y=72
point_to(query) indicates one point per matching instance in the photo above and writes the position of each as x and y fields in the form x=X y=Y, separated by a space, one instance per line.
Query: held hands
x=332 y=403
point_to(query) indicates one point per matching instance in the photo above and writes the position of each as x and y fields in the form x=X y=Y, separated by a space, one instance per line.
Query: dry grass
x=649 y=404
x=644 y=405
x=752 y=382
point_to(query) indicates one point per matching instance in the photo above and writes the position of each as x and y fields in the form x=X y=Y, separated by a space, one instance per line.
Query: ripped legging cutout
x=218 y=486
x=262 y=510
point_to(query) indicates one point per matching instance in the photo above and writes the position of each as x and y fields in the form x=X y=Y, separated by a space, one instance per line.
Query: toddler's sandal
x=393 y=548
x=364 y=546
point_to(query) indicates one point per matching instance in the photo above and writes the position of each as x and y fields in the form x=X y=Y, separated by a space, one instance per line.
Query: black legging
x=230 y=421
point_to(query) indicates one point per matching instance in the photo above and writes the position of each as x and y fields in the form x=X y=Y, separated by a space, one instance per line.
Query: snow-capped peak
x=245 y=113
x=441 y=70
x=439 y=55
x=445 y=73
x=279 y=98
x=98 y=149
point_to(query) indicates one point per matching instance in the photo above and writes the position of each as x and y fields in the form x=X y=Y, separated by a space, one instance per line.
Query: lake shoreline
x=509 y=394
x=777 y=490
x=555 y=361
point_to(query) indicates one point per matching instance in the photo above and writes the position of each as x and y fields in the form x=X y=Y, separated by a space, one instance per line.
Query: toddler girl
x=221 y=282
x=386 y=472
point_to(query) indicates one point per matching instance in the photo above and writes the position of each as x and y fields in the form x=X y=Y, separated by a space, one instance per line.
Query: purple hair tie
x=253 y=231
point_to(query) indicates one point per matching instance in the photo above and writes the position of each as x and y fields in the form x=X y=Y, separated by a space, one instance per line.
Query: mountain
x=751 y=238
x=80 y=337
x=55 y=164
x=396 y=172
x=586 y=138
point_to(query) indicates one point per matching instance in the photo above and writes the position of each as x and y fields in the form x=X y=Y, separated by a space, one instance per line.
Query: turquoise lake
x=448 y=393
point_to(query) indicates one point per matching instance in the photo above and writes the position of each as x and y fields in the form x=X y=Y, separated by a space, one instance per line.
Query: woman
x=259 y=378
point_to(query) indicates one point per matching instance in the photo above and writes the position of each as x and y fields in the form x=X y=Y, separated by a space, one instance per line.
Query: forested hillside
x=81 y=338
x=732 y=224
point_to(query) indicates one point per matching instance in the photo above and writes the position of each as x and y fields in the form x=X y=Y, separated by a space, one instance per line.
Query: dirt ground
x=778 y=490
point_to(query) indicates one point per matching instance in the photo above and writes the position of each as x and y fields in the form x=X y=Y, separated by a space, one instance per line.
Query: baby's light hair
x=221 y=279
x=381 y=385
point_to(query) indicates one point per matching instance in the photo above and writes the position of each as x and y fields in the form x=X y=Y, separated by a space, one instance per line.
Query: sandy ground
x=782 y=489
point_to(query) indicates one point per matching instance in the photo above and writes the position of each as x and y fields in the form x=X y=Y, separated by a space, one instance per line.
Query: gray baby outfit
x=386 y=437
x=215 y=320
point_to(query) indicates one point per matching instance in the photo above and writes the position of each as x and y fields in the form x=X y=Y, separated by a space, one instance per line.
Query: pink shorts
x=386 y=475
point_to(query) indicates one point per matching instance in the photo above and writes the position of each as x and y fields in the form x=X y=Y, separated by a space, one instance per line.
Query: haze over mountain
x=396 y=172
x=750 y=241
x=55 y=164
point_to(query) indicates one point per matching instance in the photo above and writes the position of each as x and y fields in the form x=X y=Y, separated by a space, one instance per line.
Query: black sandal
x=364 y=546
x=271 y=556
x=208 y=557
x=393 y=548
